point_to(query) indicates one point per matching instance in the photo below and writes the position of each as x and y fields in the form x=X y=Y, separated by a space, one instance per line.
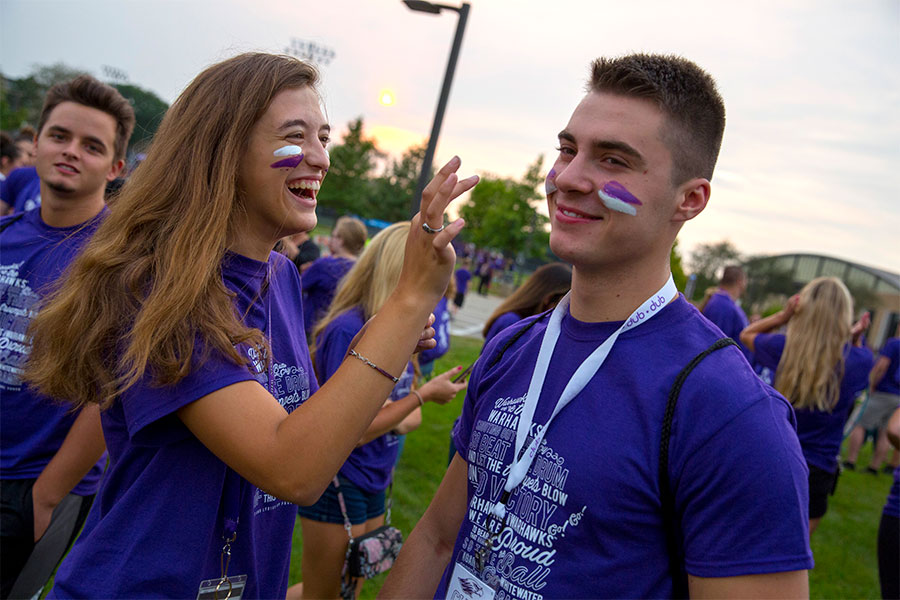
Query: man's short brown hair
x=87 y=91
x=687 y=96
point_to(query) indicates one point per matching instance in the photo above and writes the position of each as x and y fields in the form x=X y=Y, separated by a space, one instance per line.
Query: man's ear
x=115 y=169
x=692 y=198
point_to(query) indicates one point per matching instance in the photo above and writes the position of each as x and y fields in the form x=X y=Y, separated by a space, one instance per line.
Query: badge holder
x=227 y=587
x=463 y=583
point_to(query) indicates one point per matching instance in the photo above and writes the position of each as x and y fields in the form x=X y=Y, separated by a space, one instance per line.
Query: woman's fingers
x=435 y=184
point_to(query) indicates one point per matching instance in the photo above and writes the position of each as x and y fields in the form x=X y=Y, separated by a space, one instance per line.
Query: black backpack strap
x=676 y=559
x=514 y=339
x=15 y=218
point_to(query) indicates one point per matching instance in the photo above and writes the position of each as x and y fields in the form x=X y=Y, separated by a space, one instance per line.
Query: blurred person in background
x=52 y=456
x=369 y=469
x=820 y=368
x=722 y=307
x=884 y=399
x=320 y=280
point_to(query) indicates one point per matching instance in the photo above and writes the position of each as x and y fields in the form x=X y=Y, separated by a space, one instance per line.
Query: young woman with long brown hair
x=368 y=471
x=541 y=291
x=180 y=321
x=819 y=367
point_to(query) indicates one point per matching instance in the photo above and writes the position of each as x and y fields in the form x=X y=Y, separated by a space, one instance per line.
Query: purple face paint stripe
x=620 y=192
x=289 y=162
x=549 y=185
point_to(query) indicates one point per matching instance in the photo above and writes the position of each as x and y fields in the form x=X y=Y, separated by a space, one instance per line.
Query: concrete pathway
x=470 y=319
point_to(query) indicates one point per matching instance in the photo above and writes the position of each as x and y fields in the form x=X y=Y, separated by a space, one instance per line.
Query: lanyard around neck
x=585 y=372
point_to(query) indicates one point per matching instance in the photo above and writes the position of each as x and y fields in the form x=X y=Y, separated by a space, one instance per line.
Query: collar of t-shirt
x=585 y=372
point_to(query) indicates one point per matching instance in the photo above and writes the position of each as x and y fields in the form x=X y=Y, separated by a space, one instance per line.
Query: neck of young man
x=732 y=292
x=60 y=209
x=612 y=293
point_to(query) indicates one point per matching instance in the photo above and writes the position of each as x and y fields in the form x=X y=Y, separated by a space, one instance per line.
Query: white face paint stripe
x=288 y=151
x=616 y=204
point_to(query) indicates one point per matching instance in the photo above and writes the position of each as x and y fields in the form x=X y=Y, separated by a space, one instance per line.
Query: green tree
x=21 y=101
x=149 y=110
x=706 y=262
x=395 y=189
x=349 y=187
x=500 y=214
x=677 y=268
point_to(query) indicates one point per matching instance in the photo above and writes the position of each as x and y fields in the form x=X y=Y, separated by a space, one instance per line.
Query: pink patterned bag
x=369 y=554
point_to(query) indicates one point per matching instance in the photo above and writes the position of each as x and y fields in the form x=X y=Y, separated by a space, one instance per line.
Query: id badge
x=466 y=586
x=221 y=588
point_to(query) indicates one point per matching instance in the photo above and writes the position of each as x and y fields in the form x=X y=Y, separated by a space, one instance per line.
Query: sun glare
x=386 y=98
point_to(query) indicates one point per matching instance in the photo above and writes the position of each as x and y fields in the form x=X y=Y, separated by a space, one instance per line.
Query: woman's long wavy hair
x=148 y=287
x=812 y=364
x=540 y=292
x=371 y=279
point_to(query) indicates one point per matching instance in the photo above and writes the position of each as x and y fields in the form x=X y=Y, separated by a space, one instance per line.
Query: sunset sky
x=811 y=156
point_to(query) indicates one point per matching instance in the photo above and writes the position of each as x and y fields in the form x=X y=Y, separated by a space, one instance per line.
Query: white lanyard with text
x=576 y=384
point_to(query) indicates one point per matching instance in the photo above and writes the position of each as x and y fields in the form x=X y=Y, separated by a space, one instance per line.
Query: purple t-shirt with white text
x=586 y=521
x=155 y=528
x=33 y=256
x=369 y=466
x=320 y=283
x=821 y=432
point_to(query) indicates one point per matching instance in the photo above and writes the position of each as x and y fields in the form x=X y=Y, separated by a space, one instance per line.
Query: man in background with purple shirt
x=722 y=308
x=52 y=460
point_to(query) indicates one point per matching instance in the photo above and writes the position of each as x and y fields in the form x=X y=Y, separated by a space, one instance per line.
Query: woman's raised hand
x=429 y=257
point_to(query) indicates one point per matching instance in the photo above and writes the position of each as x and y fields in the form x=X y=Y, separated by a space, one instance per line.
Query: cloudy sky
x=811 y=156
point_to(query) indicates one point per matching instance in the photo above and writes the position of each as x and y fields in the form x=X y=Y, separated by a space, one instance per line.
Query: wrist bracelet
x=353 y=352
x=419 y=396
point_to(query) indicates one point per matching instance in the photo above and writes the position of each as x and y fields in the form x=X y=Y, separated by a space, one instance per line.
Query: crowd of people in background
x=255 y=386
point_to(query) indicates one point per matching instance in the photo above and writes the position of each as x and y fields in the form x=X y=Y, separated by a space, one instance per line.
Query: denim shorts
x=361 y=505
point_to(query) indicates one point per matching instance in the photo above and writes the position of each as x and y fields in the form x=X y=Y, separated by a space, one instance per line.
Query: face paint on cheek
x=550 y=182
x=616 y=196
x=294 y=156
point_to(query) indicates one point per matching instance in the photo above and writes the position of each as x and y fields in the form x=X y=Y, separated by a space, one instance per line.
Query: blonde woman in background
x=820 y=368
x=368 y=471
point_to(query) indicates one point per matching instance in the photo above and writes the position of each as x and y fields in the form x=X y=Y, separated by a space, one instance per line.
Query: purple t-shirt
x=462 y=280
x=33 y=255
x=441 y=333
x=320 y=283
x=727 y=316
x=586 y=521
x=821 y=432
x=890 y=383
x=21 y=189
x=369 y=466
x=156 y=526
x=501 y=323
x=892 y=506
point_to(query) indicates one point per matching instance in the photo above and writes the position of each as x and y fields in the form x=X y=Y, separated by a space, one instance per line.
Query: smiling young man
x=51 y=459
x=580 y=395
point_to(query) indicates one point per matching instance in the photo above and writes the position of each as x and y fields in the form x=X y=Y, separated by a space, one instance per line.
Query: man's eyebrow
x=615 y=145
x=301 y=123
x=90 y=138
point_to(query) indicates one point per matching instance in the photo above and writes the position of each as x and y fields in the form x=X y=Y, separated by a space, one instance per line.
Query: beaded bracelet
x=419 y=396
x=353 y=352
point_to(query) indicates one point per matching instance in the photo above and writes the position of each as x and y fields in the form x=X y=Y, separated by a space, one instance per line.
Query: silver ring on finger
x=430 y=229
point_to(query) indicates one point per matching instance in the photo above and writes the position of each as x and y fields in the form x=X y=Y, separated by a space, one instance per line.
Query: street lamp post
x=430 y=7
